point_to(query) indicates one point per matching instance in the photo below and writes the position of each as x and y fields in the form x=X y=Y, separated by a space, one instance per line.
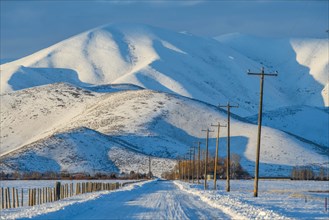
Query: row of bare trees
x=307 y=173
x=195 y=170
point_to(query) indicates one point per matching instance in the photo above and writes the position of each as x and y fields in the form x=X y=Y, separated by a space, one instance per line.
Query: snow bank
x=230 y=205
x=30 y=212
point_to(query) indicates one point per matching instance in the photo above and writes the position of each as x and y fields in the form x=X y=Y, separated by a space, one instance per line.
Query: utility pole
x=199 y=165
x=188 y=166
x=183 y=168
x=261 y=74
x=150 y=166
x=206 y=159
x=216 y=156
x=193 y=166
x=228 y=158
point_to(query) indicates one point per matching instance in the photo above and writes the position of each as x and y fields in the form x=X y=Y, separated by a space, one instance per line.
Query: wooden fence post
x=22 y=198
x=34 y=196
x=2 y=199
x=14 y=197
x=57 y=191
x=29 y=201
x=17 y=201
x=9 y=203
x=5 y=198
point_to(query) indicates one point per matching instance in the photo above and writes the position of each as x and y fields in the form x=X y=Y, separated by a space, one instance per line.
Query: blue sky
x=28 y=26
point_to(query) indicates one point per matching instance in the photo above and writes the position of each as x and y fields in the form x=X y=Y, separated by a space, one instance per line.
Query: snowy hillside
x=302 y=63
x=31 y=114
x=145 y=121
x=162 y=60
x=81 y=150
x=307 y=122
x=304 y=67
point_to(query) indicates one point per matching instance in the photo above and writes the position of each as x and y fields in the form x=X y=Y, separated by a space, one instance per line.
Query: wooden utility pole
x=206 y=158
x=199 y=165
x=150 y=167
x=228 y=157
x=186 y=168
x=216 y=155
x=188 y=165
x=179 y=170
x=193 y=165
x=183 y=168
x=261 y=74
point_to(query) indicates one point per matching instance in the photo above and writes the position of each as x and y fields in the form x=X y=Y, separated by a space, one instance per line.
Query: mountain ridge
x=158 y=59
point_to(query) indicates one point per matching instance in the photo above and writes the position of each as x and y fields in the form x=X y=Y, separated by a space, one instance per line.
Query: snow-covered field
x=25 y=185
x=28 y=212
x=278 y=199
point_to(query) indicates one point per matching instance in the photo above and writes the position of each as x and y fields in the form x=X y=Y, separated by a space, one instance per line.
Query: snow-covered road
x=154 y=200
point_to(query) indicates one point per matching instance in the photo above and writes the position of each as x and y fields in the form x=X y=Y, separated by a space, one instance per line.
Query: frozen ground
x=151 y=200
x=277 y=199
x=179 y=200
x=25 y=185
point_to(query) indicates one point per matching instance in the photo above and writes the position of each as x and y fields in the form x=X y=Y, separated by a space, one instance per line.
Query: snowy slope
x=31 y=114
x=150 y=122
x=81 y=150
x=162 y=60
x=304 y=67
x=302 y=63
x=307 y=122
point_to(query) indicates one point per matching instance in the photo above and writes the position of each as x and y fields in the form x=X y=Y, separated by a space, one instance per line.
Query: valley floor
x=180 y=200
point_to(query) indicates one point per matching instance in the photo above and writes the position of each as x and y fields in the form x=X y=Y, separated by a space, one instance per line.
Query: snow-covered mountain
x=303 y=64
x=149 y=122
x=158 y=59
x=139 y=90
